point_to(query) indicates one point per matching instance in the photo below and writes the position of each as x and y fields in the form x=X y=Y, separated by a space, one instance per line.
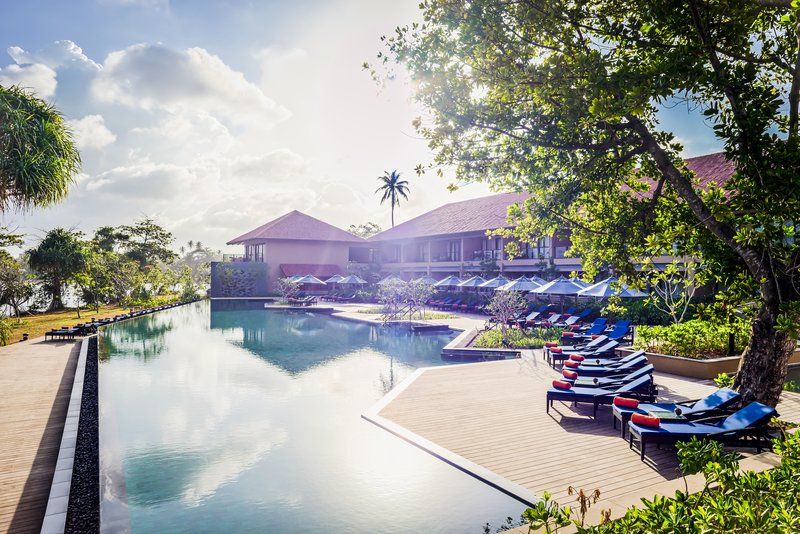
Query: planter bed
x=697 y=368
x=459 y=350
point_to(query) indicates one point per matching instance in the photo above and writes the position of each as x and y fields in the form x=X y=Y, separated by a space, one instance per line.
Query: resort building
x=451 y=239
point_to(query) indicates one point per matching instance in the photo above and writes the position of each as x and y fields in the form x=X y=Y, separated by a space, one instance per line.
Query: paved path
x=493 y=415
x=35 y=385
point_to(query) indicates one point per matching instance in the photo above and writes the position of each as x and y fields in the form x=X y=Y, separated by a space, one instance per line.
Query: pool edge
x=372 y=414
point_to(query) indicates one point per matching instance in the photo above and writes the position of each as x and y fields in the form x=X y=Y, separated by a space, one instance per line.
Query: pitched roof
x=711 y=168
x=489 y=213
x=478 y=214
x=297 y=225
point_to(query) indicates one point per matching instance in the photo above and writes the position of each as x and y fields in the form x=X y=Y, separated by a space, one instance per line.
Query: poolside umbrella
x=335 y=279
x=610 y=287
x=311 y=280
x=426 y=280
x=475 y=281
x=578 y=281
x=352 y=280
x=389 y=279
x=536 y=279
x=495 y=282
x=450 y=281
x=561 y=286
x=520 y=284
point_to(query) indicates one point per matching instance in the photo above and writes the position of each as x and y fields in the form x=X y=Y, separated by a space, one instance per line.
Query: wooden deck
x=492 y=415
x=35 y=381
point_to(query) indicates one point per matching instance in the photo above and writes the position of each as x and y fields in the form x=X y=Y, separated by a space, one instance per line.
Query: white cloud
x=91 y=132
x=59 y=54
x=184 y=137
x=143 y=181
x=157 y=77
x=39 y=78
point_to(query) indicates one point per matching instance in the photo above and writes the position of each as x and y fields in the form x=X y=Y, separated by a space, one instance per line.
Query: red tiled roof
x=297 y=225
x=489 y=213
x=478 y=214
x=711 y=168
x=319 y=270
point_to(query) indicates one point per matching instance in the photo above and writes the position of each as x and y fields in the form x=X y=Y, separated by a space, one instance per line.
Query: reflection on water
x=250 y=421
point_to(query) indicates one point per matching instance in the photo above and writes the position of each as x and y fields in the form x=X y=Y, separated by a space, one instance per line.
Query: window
x=454 y=250
x=422 y=251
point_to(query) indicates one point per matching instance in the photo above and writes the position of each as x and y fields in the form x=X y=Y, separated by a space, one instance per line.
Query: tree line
x=129 y=265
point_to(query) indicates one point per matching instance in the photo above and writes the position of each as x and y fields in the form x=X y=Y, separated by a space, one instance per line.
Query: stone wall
x=238 y=279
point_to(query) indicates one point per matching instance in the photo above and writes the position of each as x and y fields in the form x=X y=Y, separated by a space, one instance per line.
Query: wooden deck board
x=36 y=382
x=493 y=414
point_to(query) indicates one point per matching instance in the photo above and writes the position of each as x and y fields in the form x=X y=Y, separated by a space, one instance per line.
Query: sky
x=214 y=117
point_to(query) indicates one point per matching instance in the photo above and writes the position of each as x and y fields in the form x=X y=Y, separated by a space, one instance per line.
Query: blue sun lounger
x=607 y=370
x=715 y=403
x=641 y=388
x=746 y=427
x=611 y=380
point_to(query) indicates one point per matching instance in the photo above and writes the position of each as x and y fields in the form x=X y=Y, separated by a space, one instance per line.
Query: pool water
x=249 y=421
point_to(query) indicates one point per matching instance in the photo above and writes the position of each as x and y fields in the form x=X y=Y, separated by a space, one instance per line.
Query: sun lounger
x=609 y=370
x=570 y=349
x=613 y=361
x=606 y=381
x=604 y=350
x=747 y=427
x=641 y=388
x=714 y=404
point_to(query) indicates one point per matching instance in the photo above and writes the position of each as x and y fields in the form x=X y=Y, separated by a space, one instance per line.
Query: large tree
x=57 y=260
x=146 y=242
x=562 y=99
x=38 y=158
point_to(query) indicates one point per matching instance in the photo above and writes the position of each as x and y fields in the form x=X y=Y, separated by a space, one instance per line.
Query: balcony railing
x=233 y=257
x=487 y=254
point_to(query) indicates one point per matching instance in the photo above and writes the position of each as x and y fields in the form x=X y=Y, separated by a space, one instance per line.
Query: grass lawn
x=37 y=325
x=428 y=314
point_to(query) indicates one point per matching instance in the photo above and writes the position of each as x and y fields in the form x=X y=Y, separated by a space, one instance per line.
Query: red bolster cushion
x=576 y=357
x=624 y=402
x=567 y=315
x=573 y=364
x=560 y=384
x=556 y=350
x=550 y=344
x=595 y=336
x=645 y=420
x=566 y=373
x=567 y=334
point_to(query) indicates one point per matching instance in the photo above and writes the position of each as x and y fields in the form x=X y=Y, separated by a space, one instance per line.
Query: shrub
x=516 y=338
x=693 y=339
x=730 y=501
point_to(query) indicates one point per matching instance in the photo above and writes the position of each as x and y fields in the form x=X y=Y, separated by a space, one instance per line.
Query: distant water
x=249 y=421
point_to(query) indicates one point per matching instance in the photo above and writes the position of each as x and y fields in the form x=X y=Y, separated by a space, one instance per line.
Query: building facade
x=451 y=239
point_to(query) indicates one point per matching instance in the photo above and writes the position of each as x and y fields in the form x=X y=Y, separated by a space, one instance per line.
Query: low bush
x=516 y=338
x=693 y=339
x=730 y=501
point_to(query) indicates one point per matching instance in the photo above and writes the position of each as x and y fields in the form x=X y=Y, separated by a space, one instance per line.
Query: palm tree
x=38 y=157
x=392 y=188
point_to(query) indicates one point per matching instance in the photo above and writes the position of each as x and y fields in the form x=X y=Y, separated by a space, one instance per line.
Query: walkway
x=493 y=416
x=35 y=384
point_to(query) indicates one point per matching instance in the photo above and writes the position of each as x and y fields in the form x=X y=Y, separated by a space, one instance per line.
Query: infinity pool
x=249 y=421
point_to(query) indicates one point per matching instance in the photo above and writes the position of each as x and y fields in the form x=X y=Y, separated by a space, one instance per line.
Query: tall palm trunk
x=393 y=203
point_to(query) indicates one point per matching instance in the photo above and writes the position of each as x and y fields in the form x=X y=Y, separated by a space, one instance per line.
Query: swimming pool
x=249 y=421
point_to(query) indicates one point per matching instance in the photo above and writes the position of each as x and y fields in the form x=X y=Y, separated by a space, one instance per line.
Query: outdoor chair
x=641 y=388
x=746 y=427
x=595 y=329
x=612 y=361
x=587 y=353
x=569 y=349
x=609 y=370
x=715 y=404
x=620 y=330
x=606 y=381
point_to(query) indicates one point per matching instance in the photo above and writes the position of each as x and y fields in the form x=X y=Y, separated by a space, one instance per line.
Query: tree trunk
x=56 y=303
x=764 y=363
